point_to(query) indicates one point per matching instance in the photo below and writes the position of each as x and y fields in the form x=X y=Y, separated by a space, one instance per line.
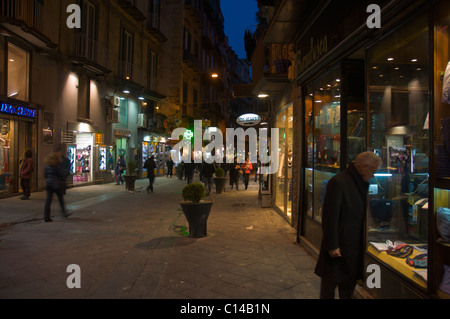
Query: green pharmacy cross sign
x=188 y=134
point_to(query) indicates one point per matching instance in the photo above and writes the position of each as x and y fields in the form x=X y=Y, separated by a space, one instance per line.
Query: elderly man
x=340 y=260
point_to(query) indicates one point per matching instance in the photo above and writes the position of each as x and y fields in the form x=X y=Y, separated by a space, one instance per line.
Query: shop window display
x=83 y=162
x=442 y=150
x=283 y=196
x=397 y=74
x=5 y=147
x=323 y=138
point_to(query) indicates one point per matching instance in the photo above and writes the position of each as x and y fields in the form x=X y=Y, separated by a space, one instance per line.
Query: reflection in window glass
x=18 y=70
x=323 y=127
x=397 y=72
x=281 y=174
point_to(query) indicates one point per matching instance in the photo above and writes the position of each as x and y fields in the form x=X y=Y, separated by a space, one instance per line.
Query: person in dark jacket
x=150 y=165
x=120 y=167
x=235 y=173
x=65 y=166
x=169 y=167
x=55 y=181
x=207 y=172
x=25 y=172
x=340 y=261
x=189 y=168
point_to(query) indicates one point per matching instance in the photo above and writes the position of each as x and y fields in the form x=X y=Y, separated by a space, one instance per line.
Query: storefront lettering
x=17 y=110
x=317 y=49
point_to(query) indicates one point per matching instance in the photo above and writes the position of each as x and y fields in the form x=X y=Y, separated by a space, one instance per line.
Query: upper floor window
x=18 y=73
x=87 y=45
x=152 y=70
x=126 y=55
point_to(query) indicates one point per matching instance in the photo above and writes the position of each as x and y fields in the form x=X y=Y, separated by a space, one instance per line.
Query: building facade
x=357 y=88
x=106 y=78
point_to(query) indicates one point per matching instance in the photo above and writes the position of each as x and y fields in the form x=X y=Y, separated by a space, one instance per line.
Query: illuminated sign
x=188 y=134
x=21 y=111
x=248 y=119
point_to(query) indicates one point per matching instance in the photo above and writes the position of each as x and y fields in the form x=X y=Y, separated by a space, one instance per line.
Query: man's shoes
x=48 y=220
x=24 y=198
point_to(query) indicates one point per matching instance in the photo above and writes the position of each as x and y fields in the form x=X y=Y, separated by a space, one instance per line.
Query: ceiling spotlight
x=126 y=91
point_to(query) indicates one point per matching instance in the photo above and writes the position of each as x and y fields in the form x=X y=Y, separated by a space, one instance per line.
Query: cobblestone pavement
x=134 y=245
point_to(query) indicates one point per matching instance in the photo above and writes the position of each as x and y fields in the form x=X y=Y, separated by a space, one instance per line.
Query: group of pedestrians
x=235 y=173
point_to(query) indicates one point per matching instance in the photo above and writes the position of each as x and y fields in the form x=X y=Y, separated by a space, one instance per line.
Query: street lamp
x=214 y=75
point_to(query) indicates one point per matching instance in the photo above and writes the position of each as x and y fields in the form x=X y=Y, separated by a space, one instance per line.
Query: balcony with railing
x=131 y=8
x=157 y=27
x=270 y=66
x=26 y=17
x=88 y=53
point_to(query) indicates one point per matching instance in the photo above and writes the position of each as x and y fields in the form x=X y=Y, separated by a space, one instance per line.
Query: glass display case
x=441 y=127
x=398 y=101
x=102 y=158
x=72 y=156
x=283 y=193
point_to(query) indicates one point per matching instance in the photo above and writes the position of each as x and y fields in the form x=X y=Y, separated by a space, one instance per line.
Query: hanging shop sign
x=17 y=110
x=122 y=133
x=248 y=119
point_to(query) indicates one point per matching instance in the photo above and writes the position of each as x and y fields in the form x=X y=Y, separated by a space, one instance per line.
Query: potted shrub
x=220 y=180
x=195 y=209
x=131 y=176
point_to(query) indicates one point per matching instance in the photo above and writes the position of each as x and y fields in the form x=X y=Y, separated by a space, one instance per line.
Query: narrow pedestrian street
x=135 y=245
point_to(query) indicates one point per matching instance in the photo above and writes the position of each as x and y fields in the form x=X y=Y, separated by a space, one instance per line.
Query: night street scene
x=225 y=158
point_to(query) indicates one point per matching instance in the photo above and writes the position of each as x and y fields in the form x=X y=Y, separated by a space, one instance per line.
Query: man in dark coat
x=340 y=261
x=189 y=171
x=207 y=172
x=150 y=165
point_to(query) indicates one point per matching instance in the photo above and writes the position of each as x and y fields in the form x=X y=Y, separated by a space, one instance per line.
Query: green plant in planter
x=194 y=192
x=131 y=168
x=220 y=172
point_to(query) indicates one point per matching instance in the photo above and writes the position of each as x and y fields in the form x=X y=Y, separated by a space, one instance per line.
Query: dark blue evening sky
x=239 y=16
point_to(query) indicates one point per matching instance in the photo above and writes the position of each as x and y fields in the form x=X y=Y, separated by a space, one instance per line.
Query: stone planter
x=129 y=182
x=197 y=216
x=220 y=184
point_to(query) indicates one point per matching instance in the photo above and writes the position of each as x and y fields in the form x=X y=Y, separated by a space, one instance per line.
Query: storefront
x=378 y=96
x=17 y=133
x=158 y=147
